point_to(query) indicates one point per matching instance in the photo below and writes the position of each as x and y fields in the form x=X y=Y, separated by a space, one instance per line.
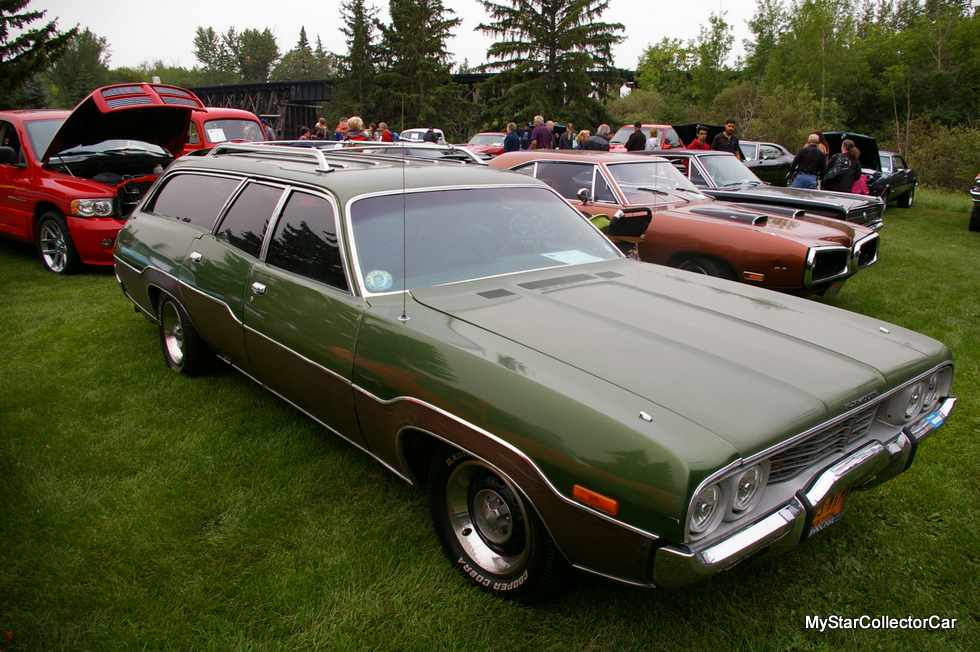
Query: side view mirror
x=583 y=195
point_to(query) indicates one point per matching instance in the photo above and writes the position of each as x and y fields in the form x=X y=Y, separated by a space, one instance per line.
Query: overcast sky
x=164 y=29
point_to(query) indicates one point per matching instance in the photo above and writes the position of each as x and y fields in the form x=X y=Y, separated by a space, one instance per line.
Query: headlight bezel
x=93 y=207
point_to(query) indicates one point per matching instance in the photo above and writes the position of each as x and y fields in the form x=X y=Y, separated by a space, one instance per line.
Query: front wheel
x=183 y=349
x=707 y=266
x=55 y=246
x=975 y=218
x=490 y=531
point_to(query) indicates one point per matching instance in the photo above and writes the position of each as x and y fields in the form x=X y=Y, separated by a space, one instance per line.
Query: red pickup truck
x=69 y=179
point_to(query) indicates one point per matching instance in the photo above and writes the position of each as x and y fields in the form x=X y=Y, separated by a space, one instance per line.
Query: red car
x=487 y=144
x=668 y=137
x=70 y=179
x=221 y=125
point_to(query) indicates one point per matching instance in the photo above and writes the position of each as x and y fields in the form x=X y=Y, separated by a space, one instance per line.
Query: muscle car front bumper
x=805 y=514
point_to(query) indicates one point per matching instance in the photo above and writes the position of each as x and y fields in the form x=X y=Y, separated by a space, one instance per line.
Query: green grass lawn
x=140 y=510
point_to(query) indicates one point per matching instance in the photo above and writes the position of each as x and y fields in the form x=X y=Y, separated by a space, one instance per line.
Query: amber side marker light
x=754 y=276
x=600 y=502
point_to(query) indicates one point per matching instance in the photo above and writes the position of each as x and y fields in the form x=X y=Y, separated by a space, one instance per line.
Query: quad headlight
x=748 y=487
x=92 y=207
x=729 y=499
x=918 y=397
x=706 y=509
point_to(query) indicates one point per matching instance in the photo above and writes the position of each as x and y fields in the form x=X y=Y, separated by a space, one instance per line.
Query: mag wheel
x=55 y=245
x=490 y=531
x=183 y=349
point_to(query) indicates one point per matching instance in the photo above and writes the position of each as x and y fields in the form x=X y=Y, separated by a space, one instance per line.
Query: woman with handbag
x=844 y=169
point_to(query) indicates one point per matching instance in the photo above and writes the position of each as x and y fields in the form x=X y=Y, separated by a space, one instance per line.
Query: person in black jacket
x=637 y=142
x=844 y=168
x=809 y=165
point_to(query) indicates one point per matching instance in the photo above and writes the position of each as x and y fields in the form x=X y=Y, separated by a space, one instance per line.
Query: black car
x=724 y=177
x=769 y=161
x=889 y=176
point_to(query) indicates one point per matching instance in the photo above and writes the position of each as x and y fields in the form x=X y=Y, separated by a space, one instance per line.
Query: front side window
x=644 y=182
x=456 y=235
x=305 y=240
x=566 y=178
x=248 y=218
x=193 y=198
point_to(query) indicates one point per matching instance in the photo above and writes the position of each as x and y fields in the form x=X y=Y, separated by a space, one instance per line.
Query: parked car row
x=564 y=406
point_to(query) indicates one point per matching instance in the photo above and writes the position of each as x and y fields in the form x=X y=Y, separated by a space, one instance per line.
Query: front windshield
x=220 y=131
x=487 y=139
x=642 y=182
x=458 y=235
x=41 y=132
x=729 y=171
x=622 y=135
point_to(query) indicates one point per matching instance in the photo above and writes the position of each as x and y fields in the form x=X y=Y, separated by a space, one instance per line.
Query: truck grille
x=827 y=441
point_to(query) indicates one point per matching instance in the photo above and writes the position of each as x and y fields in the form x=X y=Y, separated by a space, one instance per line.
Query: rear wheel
x=905 y=201
x=491 y=532
x=55 y=246
x=707 y=266
x=975 y=218
x=183 y=349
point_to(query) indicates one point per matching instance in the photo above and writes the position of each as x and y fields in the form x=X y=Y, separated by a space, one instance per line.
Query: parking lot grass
x=143 y=510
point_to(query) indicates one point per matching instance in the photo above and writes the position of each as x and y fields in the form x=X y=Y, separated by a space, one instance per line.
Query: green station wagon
x=564 y=406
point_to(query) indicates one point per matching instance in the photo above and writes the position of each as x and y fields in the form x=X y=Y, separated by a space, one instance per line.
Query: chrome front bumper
x=676 y=566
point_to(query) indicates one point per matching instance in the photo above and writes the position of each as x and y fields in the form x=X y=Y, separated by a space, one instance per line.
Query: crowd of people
x=815 y=167
x=353 y=128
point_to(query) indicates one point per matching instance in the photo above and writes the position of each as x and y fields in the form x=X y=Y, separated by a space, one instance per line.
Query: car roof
x=35 y=114
x=346 y=172
x=511 y=159
x=219 y=112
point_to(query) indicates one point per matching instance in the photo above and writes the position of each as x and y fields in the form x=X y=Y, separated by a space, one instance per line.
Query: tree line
x=905 y=71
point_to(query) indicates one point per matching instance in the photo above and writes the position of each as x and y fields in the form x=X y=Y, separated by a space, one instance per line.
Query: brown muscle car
x=777 y=248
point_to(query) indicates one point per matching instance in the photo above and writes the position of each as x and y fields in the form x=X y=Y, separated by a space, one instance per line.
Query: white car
x=417 y=135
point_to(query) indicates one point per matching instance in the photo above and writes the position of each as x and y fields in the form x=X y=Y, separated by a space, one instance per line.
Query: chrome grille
x=830 y=264
x=827 y=441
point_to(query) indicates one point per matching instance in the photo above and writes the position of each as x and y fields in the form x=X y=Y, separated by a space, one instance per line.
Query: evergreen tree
x=555 y=59
x=302 y=63
x=28 y=53
x=83 y=68
x=357 y=86
x=419 y=91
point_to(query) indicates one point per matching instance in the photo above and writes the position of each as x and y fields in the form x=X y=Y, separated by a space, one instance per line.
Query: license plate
x=829 y=512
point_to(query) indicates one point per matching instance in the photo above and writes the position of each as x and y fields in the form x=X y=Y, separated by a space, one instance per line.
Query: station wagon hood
x=749 y=365
x=151 y=113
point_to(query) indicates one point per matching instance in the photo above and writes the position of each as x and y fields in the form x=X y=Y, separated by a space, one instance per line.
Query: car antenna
x=404 y=316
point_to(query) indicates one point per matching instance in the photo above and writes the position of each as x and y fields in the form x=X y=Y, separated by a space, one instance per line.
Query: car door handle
x=196 y=256
x=258 y=288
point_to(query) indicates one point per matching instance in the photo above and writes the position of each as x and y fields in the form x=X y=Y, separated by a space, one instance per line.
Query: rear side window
x=248 y=218
x=193 y=198
x=305 y=241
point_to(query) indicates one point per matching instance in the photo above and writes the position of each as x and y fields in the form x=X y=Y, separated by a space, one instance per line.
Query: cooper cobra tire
x=905 y=201
x=975 y=218
x=490 y=531
x=706 y=266
x=55 y=246
x=183 y=349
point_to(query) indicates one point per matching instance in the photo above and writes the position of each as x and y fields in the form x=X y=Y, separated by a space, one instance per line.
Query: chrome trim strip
x=507 y=445
x=330 y=372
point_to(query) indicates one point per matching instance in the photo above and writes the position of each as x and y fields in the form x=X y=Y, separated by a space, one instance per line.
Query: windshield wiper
x=655 y=190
